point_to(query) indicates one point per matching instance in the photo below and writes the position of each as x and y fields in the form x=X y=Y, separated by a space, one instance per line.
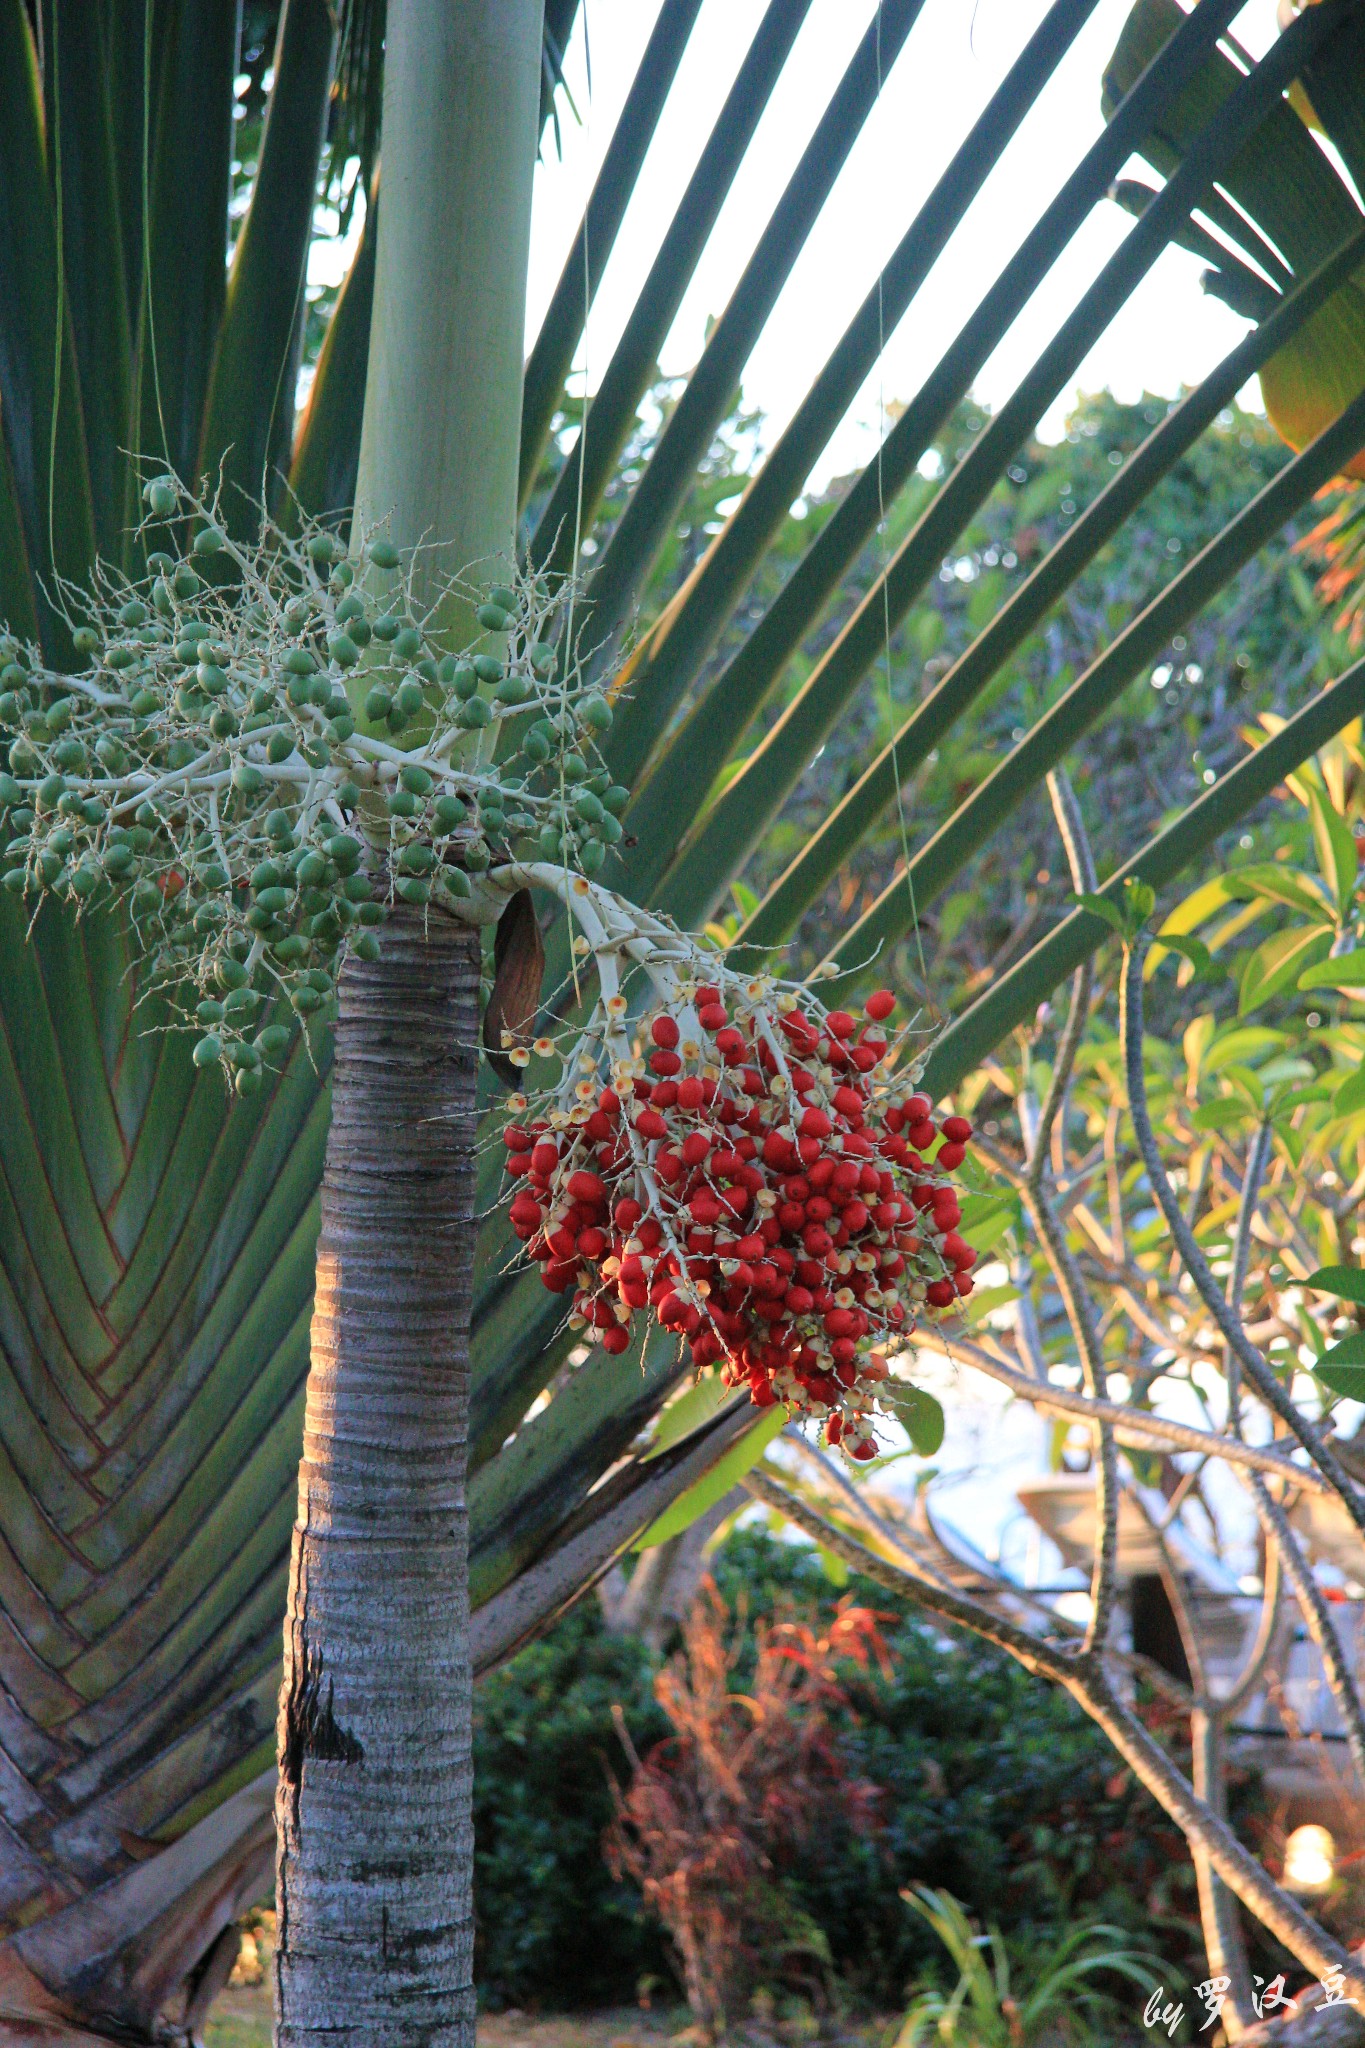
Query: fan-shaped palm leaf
x=156 y=1249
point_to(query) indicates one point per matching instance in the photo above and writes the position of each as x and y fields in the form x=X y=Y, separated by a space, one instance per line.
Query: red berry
x=589 y=1188
x=691 y=1092
x=949 y=1157
x=545 y=1157
x=957 y=1129
x=840 y=1025
x=616 y=1339
x=713 y=1016
x=627 y=1213
x=917 y=1108
x=814 y=1124
x=664 y=1031
x=940 y=1293
x=880 y=1005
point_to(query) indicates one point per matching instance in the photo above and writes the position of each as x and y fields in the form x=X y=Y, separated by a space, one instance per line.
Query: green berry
x=487 y=669
x=409 y=697
x=273 y=1040
x=343 y=649
x=536 y=747
x=322 y=548
x=513 y=689
x=455 y=882
x=209 y=1012
x=413 y=888
x=208 y=1052
x=345 y=851
x=386 y=627
x=595 y=712
x=86 y=641
x=300 y=662
x=500 y=595
x=415 y=778
x=378 y=703
x=492 y=618
x=365 y=945
x=185 y=582
x=407 y=643
x=279 y=747
x=401 y=803
x=465 y=681
x=162 y=499
x=416 y=859
x=247 y=778
x=383 y=554
x=209 y=540
x=476 y=713
x=449 y=812
x=615 y=799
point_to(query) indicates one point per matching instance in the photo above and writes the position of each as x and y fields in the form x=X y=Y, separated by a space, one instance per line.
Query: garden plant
x=335 y=767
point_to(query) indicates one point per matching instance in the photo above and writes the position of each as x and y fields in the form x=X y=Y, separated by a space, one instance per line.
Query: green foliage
x=992 y=1787
x=554 y=1927
x=1013 y=2001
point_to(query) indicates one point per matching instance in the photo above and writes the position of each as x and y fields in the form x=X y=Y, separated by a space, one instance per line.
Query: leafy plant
x=1005 y=2000
x=712 y=1816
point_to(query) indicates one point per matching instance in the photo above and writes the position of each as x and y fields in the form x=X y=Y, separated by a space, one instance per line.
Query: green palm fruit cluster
x=264 y=748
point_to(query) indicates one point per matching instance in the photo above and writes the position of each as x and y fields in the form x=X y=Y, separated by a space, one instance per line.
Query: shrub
x=992 y=1787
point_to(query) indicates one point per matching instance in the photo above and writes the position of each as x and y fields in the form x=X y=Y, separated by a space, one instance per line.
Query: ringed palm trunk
x=375 y=1839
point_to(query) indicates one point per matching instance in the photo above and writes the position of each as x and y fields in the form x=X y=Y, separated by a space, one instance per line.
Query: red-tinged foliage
x=746 y=1783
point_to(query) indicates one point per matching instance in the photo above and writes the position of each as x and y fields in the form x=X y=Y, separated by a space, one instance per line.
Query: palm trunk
x=373 y=1810
x=375 y=1864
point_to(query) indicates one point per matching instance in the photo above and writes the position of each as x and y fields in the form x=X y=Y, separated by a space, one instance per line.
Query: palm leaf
x=156 y=1248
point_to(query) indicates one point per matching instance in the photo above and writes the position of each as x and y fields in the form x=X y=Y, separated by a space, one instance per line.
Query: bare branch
x=1196 y=1265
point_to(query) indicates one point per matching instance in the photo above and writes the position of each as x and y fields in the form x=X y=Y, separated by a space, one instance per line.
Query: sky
x=1168 y=334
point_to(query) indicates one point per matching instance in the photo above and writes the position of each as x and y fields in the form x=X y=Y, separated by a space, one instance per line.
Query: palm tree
x=158 y=1239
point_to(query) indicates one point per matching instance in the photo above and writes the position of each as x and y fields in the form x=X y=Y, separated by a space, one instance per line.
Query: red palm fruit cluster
x=762 y=1186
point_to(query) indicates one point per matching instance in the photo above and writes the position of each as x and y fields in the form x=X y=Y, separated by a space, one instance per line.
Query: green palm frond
x=156 y=1248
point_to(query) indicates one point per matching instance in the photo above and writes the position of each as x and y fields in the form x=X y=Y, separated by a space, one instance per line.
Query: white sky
x=954 y=57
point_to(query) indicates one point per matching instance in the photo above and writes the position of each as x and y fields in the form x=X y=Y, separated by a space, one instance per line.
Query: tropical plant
x=1154 y=1258
x=1004 y=2001
x=158 y=1244
x=713 y=1814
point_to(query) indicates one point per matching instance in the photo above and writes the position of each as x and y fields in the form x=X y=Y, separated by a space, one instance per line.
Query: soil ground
x=241 y=2019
